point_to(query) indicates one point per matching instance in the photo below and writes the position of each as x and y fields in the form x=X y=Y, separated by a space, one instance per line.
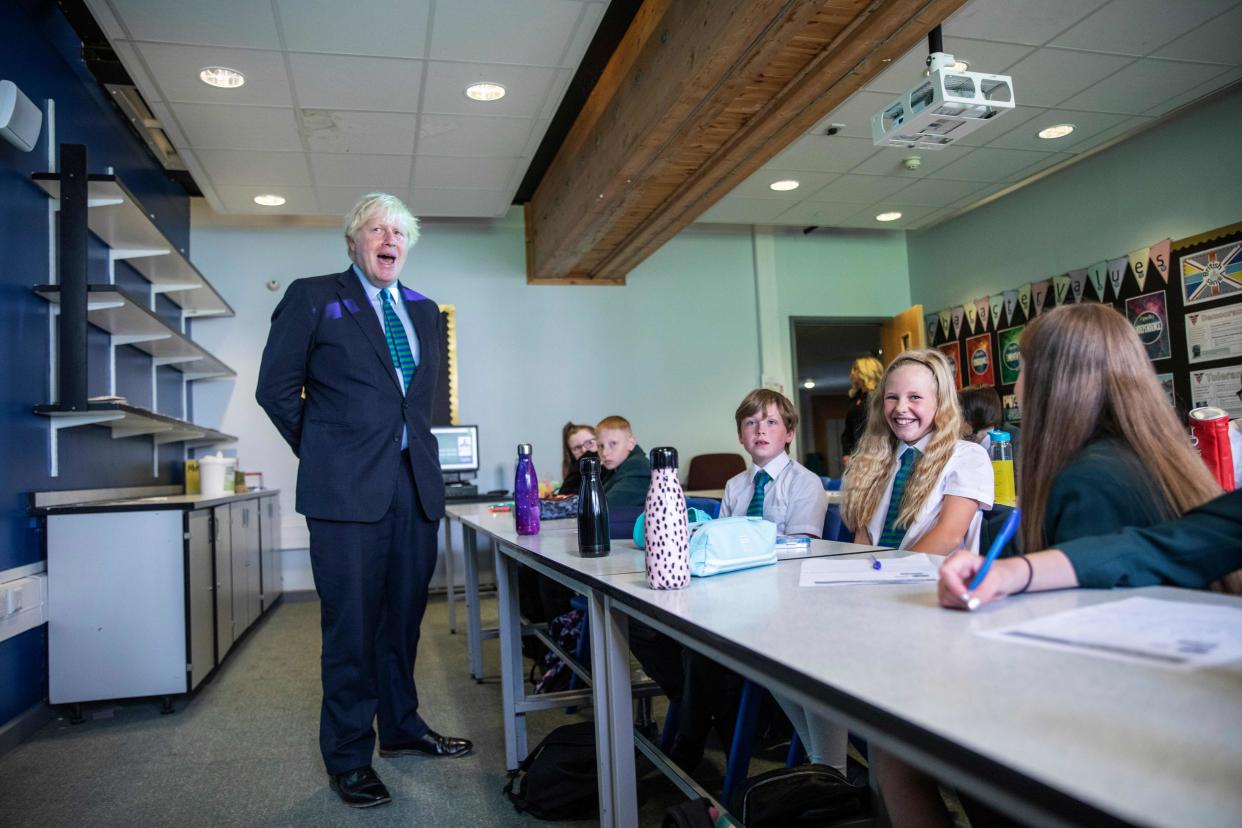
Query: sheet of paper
x=1173 y=634
x=1218 y=387
x=912 y=569
x=1214 y=334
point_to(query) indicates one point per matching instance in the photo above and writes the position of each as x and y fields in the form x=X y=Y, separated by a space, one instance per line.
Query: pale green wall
x=1179 y=179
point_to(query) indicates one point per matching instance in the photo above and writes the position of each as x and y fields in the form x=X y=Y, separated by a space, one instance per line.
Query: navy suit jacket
x=327 y=340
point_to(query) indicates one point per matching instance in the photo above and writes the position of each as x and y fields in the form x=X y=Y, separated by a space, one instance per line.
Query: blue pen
x=998 y=543
x=875 y=562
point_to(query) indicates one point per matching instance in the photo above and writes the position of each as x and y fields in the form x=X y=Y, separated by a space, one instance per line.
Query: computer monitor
x=459 y=447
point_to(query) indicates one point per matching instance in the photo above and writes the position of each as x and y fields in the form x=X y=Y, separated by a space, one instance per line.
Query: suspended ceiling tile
x=810 y=214
x=1126 y=128
x=1002 y=124
x=888 y=161
x=463 y=135
x=177 y=68
x=169 y=123
x=1144 y=84
x=532 y=32
x=240 y=199
x=588 y=23
x=443 y=172
x=808 y=182
x=829 y=153
x=1136 y=27
x=240 y=23
x=464 y=203
x=132 y=61
x=928 y=193
x=1032 y=22
x=354 y=169
x=213 y=126
x=981 y=55
x=232 y=167
x=380 y=133
x=856 y=114
x=988 y=164
x=339 y=201
x=910 y=216
x=385 y=28
x=734 y=209
x=1049 y=76
x=1038 y=167
x=861 y=189
x=1229 y=76
x=1086 y=125
x=526 y=88
x=365 y=83
x=1216 y=41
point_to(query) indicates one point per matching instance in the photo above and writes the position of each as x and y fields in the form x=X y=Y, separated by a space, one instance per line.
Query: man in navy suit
x=348 y=377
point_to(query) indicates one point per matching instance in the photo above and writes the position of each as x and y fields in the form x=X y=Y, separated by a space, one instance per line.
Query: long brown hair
x=874 y=461
x=567 y=456
x=1085 y=374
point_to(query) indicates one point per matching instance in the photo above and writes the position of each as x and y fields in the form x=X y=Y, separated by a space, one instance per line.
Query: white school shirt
x=967 y=474
x=794 y=498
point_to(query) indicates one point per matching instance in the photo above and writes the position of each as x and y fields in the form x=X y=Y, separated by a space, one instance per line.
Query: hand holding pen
x=956 y=591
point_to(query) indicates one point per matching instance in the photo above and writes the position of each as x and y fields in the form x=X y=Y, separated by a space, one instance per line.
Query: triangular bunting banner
x=995 y=302
x=945 y=319
x=932 y=325
x=1011 y=302
x=1138 y=263
x=971 y=313
x=1039 y=291
x=1117 y=273
x=958 y=314
x=1159 y=255
x=1078 y=283
x=1060 y=288
x=1024 y=299
x=1097 y=273
x=981 y=307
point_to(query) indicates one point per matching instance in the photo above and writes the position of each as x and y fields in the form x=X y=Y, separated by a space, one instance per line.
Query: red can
x=1209 y=431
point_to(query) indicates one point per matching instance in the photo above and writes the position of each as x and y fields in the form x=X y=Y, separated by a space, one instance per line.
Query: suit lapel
x=355 y=301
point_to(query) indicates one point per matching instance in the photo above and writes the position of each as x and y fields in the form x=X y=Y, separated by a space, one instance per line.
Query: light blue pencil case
x=732 y=543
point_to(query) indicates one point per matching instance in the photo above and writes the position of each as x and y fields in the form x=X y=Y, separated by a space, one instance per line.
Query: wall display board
x=1183 y=298
x=951 y=351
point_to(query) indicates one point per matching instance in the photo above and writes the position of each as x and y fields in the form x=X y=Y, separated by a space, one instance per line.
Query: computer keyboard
x=452 y=492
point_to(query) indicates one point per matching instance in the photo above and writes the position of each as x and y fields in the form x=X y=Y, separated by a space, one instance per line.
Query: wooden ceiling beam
x=699 y=95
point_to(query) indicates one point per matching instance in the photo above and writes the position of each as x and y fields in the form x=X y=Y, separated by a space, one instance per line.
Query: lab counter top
x=130 y=503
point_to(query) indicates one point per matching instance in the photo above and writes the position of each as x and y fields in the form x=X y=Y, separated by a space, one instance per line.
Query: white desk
x=1049 y=737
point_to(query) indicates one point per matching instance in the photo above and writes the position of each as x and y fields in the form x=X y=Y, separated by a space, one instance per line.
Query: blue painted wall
x=41 y=54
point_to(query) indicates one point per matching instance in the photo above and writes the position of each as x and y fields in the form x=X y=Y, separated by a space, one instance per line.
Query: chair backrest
x=712 y=471
x=707 y=504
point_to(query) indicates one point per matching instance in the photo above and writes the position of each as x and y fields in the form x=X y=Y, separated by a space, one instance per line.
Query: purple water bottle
x=526 y=493
x=665 y=528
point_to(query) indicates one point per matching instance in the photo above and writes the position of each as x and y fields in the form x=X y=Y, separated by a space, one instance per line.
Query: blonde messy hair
x=875 y=459
x=870 y=371
x=386 y=206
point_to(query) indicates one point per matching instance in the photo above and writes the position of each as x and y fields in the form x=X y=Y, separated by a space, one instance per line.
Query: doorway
x=824 y=349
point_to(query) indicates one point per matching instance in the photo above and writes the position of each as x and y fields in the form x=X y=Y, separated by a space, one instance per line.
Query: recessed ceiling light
x=808 y=384
x=783 y=186
x=1056 y=131
x=222 y=77
x=893 y=216
x=485 y=91
x=269 y=200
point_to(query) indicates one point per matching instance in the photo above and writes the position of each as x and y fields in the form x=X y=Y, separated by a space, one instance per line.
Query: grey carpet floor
x=244 y=749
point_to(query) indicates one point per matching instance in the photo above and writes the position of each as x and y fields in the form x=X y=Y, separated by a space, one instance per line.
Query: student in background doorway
x=865 y=375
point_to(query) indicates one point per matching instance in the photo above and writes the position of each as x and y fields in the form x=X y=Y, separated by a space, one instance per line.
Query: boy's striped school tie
x=755 y=509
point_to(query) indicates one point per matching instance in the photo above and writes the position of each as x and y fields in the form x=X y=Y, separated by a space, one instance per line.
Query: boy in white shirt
x=776 y=487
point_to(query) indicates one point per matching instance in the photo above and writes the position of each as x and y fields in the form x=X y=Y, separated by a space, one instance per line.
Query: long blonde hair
x=869 y=373
x=875 y=459
x=1085 y=374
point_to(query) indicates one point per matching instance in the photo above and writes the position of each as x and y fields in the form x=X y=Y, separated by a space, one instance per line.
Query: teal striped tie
x=755 y=509
x=892 y=535
x=398 y=344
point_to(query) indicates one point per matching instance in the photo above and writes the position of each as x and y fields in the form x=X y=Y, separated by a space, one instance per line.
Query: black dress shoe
x=359 y=788
x=431 y=744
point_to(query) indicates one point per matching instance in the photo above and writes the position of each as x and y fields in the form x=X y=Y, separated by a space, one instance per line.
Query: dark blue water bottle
x=526 y=493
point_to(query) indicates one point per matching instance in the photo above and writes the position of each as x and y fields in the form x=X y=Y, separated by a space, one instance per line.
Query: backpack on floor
x=557 y=780
x=695 y=813
x=799 y=797
x=550 y=674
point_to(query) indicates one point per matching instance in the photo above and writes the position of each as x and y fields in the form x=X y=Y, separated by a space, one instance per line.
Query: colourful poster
x=981 y=308
x=979 y=360
x=1158 y=255
x=1138 y=264
x=995 y=303
x=1098 y=274
x=1010 y=358
x=950 y=351
x=1117 y=273
x=1078 y=283
x=959 y=313
x=1060 y=288
x=1039 y=291
x=1214 y=334
x=972 y=313
x=1166 y=385
x=1009 y=403
x=1151 y=322
x=1212 y=274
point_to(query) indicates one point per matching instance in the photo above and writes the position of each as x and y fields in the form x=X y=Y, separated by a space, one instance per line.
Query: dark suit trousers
x=372 y=581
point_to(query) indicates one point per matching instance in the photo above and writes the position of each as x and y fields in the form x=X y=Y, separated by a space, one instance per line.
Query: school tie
x=398 y=344
x=755 y=509
x=892 y=535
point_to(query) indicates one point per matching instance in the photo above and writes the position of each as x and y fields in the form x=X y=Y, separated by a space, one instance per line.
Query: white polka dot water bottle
x=665 y=528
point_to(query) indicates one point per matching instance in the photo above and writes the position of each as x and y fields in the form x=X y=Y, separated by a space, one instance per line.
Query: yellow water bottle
x=1002 y=468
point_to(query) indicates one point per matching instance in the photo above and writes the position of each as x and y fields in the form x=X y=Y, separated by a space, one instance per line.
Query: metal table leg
x=614 y=724
x=450 y=576
x=513 y=680
x=474 y=623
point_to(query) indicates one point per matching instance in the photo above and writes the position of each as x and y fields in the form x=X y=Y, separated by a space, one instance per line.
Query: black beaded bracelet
x=1030 y=574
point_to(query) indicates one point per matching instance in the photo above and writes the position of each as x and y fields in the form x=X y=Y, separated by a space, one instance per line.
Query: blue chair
x=834 y=529
x=707 y=504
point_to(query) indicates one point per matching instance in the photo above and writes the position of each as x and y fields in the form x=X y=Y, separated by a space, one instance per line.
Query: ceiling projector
x=949 y=105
